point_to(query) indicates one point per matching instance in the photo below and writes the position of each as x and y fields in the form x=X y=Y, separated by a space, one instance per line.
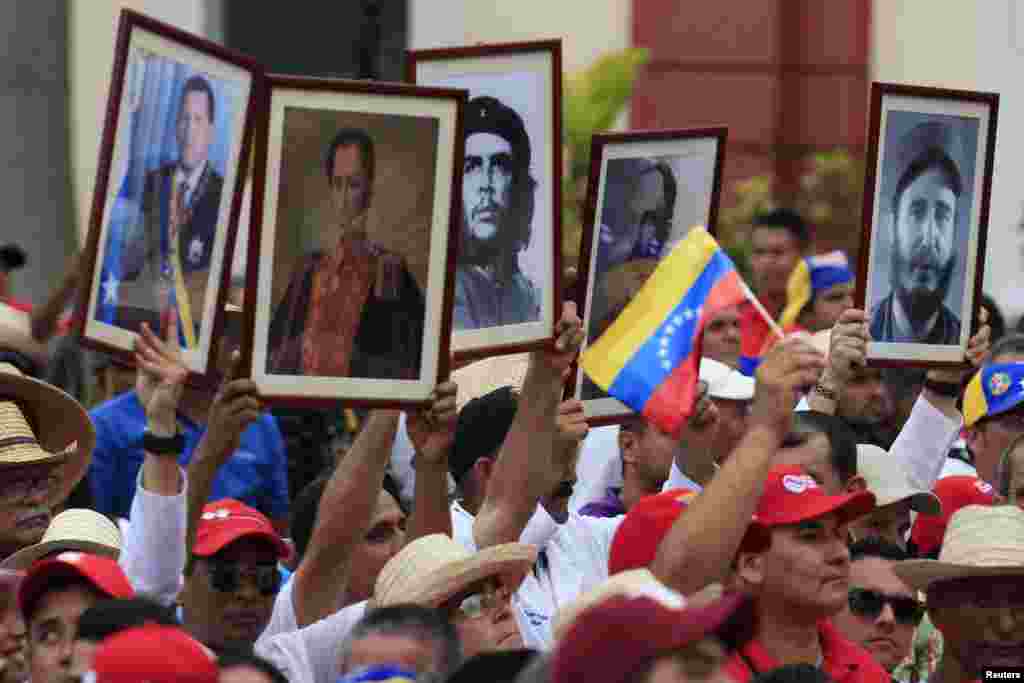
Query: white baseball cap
x=725 y=382
x=887 y=479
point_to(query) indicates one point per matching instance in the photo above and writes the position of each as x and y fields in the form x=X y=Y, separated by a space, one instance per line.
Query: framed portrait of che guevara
x=507 y=274
x=926 y=203
x=647 y=189
x=168 y=191
x=351 y=254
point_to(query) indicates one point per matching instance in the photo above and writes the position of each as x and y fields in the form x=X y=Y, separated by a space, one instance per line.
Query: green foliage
x=592 y=101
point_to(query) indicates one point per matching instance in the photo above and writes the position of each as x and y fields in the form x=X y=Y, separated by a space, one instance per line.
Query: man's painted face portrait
x=923 y=238
x=195 y=129
x=486 y=184
x=350 y=186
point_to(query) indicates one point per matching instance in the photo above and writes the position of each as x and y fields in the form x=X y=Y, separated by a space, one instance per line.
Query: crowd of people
x=816 y=519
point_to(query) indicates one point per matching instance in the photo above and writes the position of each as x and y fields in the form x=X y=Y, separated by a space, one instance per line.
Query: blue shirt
x=256 y=474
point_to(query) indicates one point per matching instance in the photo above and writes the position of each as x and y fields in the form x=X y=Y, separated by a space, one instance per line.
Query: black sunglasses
x=226 y=577
x=869 y=604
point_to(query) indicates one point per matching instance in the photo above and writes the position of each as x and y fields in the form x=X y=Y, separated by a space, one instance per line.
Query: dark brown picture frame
x=890 y=354
x=479 y=343
x=284 y=389
x=203 y=370
x=591 y=226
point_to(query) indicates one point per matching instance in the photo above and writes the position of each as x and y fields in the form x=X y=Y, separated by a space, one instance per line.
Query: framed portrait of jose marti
x=646 y=190
x=926 y=202
x=168 y=191
x=351 y=255
x=507 y=276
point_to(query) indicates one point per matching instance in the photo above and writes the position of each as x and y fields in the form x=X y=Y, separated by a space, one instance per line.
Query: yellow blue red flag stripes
x=649 y=357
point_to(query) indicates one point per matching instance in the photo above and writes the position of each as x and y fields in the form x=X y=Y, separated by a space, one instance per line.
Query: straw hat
x=634 y=583
x=484 y=376
x=78 y=529
x=433 y=569
x=39 y=423
x=980 y=541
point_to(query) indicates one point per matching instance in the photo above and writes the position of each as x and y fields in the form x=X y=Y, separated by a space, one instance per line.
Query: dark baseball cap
x=489 y=115
x=481 y=429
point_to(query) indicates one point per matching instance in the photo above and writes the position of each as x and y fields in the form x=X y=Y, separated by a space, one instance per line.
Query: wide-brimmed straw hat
x=78 y=529
x=980 y=541
x=39 y=423
x=630 y=584
x=433 y=569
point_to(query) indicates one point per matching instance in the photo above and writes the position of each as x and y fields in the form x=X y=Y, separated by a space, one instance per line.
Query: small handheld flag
x=649 y=357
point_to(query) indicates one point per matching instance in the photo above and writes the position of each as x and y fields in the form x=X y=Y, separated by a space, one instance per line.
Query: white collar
x=192 y=178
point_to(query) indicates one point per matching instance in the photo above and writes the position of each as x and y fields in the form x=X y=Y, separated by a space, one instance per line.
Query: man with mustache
x=497 y=203
x=924 y=235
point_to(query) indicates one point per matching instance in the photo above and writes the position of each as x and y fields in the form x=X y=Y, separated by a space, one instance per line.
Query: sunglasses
x=985 y=592
x=226 y=577
x=869 y=604
x=29 y=486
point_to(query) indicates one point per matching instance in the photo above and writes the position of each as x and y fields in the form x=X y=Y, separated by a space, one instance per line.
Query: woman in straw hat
x=46 y=440
x=975 y=592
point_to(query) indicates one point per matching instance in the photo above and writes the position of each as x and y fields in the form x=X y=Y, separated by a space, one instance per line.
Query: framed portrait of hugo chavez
x=507 y=274
x=351 y=254
x=646 y=190
x=926 y=199
x=168 y=191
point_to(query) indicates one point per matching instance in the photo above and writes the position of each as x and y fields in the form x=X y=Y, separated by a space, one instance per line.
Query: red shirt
x=845 y=661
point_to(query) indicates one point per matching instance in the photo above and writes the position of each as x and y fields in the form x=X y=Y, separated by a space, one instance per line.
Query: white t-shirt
x=311 y=654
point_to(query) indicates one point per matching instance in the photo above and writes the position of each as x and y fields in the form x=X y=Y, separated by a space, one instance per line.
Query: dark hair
x=671 y=189
x=57 y=583
x=306 y=507
x=235 y=657
x=842 y=443
x=793 y=673
x=932 y=158
x=495 y=667
x=108 y=617
x=877 y=547
x=413 y=621
x=995 y=318
x=1011 y=344
x=785 y=219
x=199 y=84
x=348 y=137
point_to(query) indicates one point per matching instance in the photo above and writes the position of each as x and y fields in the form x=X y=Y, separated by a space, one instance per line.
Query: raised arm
x=524 y=470
x=153 y=551
x=702 y=543
x=44 y=318
x=343 y=518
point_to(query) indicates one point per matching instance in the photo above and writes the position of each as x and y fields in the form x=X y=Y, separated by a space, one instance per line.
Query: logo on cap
x=999 y=384
x=798 y=483
x=983 y=486
x=216 y=514
x=70 y=557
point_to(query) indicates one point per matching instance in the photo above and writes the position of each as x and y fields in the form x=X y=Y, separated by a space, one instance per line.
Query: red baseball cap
x=636 y=541
x=227 y=520
x=102 y=573
x=791 y=496
x=610 y=641
x=955 y=493
x=157 y=654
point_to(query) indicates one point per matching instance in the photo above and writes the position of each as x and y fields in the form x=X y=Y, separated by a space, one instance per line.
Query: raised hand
x=571 y=422
x=160 y=378
x=236 y=406
x=432 y=430
x=556 y=361
x=978 y=348
x=789 y=369
x=848 y=347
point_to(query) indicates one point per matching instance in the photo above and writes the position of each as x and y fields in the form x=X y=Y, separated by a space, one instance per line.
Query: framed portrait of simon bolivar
x=507 y=273
x=168 y=191
x=929 y=174
x=646 y=190
x=351 y=254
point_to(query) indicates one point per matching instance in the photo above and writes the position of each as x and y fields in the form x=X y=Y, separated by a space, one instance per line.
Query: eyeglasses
x=488 y=599
x=869 y=604
x=29 y=485
x=226 y=577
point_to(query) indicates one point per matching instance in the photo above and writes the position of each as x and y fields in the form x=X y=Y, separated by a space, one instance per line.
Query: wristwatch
x=163 y=445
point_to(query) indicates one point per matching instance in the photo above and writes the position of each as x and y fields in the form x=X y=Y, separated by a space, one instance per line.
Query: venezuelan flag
x=649 y=357
x=812 y=276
